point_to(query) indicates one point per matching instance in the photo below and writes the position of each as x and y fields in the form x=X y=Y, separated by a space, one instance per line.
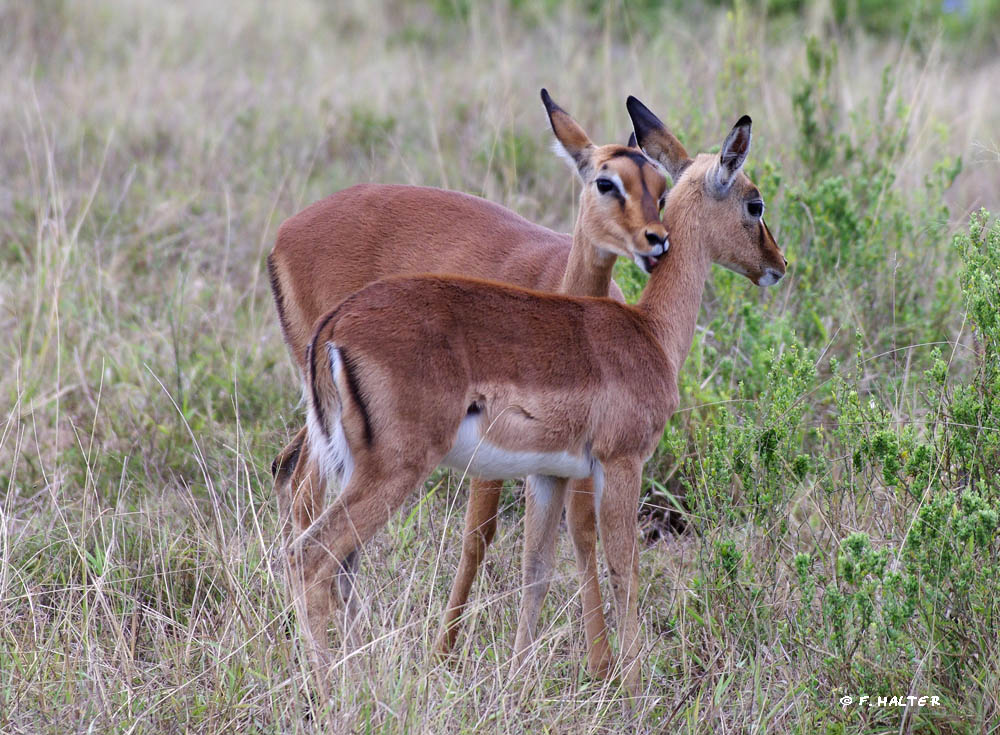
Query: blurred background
x=819 y=519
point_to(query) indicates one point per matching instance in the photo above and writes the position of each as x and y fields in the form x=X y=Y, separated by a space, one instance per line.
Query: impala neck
x=589 y=268
x=672 y=296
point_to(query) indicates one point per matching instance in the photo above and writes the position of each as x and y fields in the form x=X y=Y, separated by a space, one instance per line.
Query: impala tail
x=328 y=378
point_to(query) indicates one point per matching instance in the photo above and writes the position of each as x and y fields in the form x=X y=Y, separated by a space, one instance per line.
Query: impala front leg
x=619 y=504
x=543 y=510
x=582 y=522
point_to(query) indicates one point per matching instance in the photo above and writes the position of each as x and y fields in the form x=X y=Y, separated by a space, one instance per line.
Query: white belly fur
x=472 y=453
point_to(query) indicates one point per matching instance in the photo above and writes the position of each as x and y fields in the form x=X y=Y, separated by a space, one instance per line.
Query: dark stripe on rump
x=316 y=332
x=311 y=362
x=276 y=292
x=317 y=406
x=350 y=369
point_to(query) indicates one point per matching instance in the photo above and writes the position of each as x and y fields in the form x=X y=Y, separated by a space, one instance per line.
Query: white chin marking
x=769 y=278
x=644 y=262
x=470 y=452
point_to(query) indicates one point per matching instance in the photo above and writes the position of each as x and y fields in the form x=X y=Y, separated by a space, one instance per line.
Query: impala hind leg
x=324 y=557
x=350 y=605
x=300 y=489
x=619 y=503
x=282 y=470
x=308 y=493
x=544 y=503
x=480 y=527
x=299 y=486
x=581 y=518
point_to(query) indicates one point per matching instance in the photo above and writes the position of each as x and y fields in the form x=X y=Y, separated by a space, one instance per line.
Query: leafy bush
x=855 y=528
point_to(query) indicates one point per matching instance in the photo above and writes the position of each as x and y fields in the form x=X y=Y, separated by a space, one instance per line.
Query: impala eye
x=606 y=186
x=755 y=208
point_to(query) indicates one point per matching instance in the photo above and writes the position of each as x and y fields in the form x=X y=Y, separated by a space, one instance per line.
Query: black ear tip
x=633 y=105
x=642 y=117
x=274 y=468
x=743 y=121
x=550 y=105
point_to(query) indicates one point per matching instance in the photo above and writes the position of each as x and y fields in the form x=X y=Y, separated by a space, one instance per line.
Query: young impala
x=357 y=236
x=414 y=372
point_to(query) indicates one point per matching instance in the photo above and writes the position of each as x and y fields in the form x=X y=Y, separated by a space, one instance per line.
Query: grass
x=149 y=153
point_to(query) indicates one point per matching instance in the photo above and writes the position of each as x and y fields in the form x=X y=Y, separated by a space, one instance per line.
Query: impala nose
x=771 y=276
x=658 y=241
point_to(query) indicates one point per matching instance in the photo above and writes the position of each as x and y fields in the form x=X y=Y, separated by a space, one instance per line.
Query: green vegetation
x=822 y=516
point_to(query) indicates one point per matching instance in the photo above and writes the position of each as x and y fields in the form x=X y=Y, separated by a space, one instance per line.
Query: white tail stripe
x=333 y=453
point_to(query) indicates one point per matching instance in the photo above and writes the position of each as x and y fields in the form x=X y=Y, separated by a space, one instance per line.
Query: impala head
x=623 y=191
x=731 y=206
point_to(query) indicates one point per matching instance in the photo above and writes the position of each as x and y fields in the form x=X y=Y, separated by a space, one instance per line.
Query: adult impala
x=357 y=236
x=414 y=372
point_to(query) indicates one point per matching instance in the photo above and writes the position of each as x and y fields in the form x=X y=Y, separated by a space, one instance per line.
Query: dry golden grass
x=149 y=152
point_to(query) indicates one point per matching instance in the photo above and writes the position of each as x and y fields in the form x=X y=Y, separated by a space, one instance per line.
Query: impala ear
x=572 y=143
x=731 y=157
x=653 y=137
